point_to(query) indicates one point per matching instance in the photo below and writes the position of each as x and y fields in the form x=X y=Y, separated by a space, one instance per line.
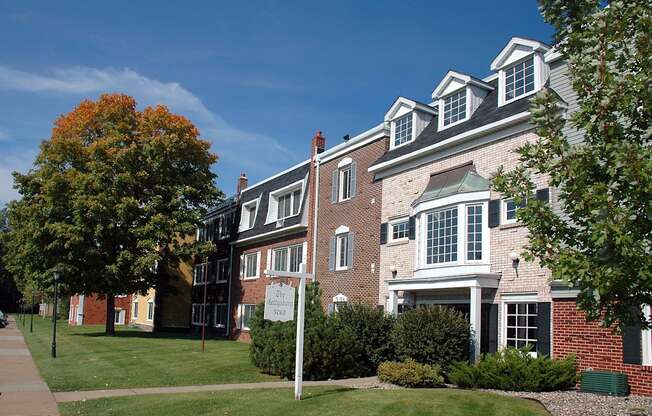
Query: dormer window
x=288 y=204
x=519 y=79
x=285 y=203
x=521 y=69
x=455 y=107
x=248 y=216
x=407 y=119
x=403 y=130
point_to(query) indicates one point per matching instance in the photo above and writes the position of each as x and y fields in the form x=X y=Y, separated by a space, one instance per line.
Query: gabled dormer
x=458 y=96
x=521 y=68
x=407 y=119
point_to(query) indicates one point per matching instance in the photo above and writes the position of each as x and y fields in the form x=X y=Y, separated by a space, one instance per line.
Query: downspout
x=315 y=221
x=228 y=301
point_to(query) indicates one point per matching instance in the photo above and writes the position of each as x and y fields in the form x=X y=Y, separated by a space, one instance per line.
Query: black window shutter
x=331 y=253
x=354 y=179
x=411 y=228
x=493 y=328
x=543 y=328
x=632 y=345
x=543 y=194
x=494 y=213
x=383 y=233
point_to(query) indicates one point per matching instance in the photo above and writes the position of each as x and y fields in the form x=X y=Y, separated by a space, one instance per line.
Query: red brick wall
x=597 y=348
x=362 y=215
x=95 y=308
x=253 y=291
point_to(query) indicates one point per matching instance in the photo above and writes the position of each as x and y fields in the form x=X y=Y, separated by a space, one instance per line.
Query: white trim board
x=275 y=176
x=362 y=139
x=488 y=128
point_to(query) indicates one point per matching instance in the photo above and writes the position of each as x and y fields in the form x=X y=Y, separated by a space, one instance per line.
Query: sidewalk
x=74 y=396
x=22 y=391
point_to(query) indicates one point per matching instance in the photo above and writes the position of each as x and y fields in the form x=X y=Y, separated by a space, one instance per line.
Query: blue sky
x=257 y=78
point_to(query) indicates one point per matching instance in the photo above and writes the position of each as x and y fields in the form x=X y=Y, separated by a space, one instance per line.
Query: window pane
x=474 y=232
x=441 y=243
x=281 y=259
x=342 y=248
x=296 y=201
x=521 y=324
x=455 y=107
x=296 y=254
x=251 y=262
x=519 y=79
x=403 y=129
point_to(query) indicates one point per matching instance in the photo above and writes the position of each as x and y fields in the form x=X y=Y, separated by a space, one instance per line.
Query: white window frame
x=392 y=143
x=467 y=108
x=216 y=324
x=289 y=248
x=341 y=183
x=200 y=306
x=246 y=211
x=516 y=299
x=483 y=231
x=219 y=278
x=539 y=75
x=425 y=234
x=646 y=337
x=503 y=212
x=134 y=309
x=390 y=230
x=339 y=253
x=150 y=302
x=461 y=202
x=243 y=307
x=272 y=206
x=244 y=259
x=204 y=273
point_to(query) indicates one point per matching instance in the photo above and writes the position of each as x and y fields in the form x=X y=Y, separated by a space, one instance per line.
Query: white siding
x=420 y=123
x=561 y=84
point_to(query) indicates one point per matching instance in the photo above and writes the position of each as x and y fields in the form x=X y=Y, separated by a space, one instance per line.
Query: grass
x=88 y=360
x=317 y=401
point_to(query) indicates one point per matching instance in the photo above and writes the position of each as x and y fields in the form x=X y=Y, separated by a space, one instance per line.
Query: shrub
x=410 y=374
x=516 y=370
x=432 y=335
x=331 y=350
x=371 y=327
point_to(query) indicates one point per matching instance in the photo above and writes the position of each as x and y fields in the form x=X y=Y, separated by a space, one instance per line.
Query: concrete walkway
x=22 y=391
x=74 y=396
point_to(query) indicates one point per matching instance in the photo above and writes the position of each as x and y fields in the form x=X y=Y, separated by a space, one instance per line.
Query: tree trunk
x=110 y=315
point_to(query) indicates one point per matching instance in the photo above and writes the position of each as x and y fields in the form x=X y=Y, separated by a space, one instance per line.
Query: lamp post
x=31 y=317
x=54 y=317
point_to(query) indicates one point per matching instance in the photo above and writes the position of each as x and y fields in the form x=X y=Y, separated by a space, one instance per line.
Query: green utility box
x=605 y=382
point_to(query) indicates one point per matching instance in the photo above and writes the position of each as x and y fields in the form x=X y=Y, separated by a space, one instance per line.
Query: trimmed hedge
x=331 y=349
x=516 y=370
x=410 y=374
x=371 y=327
x=432 y=335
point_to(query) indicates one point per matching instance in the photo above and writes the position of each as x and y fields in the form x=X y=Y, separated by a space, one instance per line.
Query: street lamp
x=54 y=317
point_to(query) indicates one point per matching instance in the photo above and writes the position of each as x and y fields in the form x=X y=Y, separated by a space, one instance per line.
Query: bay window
x=474 y=232
x=441 y=239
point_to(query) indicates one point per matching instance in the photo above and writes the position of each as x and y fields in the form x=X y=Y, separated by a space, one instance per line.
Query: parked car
x=3 y=320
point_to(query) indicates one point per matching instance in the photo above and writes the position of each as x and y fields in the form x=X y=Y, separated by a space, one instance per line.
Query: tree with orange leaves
x=108 y=196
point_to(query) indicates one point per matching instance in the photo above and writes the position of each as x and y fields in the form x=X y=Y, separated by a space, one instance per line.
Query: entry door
x=119 y=316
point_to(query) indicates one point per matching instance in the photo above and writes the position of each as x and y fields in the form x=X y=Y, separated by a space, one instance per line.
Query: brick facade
x=94 y=309
x=252 y=291
x=361 y=214
x=400 y=190
x=596 y=348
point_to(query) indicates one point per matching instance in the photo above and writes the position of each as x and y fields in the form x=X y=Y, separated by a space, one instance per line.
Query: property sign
x=279 y=302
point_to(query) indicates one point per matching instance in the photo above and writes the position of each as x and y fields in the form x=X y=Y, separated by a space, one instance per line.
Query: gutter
x=315 y=222
x=488 y=128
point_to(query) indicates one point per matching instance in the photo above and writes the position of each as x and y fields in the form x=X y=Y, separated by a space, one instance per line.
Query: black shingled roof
x=488 y=112
x=265 y=188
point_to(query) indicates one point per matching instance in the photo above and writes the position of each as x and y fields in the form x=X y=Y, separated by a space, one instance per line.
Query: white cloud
x=257 y=153
x=11 y=163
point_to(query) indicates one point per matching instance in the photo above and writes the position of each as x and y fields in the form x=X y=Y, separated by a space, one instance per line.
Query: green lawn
x=87 y=360
x=317 y=401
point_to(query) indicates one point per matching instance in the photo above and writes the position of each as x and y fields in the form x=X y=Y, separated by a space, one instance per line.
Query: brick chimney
x=242 y=184
x=317 y=145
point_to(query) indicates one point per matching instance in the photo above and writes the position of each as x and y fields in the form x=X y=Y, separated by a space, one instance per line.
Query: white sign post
x=298 y=363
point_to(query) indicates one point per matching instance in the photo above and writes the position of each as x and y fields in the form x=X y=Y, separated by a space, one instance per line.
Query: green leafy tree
x=598 y=237
x=110 y=198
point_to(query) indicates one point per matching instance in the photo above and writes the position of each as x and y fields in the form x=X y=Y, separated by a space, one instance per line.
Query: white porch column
x=475 y=318
x=393 y=302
